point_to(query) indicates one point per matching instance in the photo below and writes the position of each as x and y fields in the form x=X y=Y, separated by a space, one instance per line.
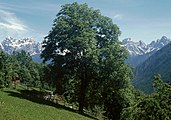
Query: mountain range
x=158 y=63
x=9 y=45
x=139 y=51
x=136 y=49
x=148 y=59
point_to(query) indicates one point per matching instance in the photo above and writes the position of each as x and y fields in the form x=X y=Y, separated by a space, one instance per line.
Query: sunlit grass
x=17 y=108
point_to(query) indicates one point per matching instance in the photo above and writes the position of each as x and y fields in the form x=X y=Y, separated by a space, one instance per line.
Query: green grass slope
x=13 y=106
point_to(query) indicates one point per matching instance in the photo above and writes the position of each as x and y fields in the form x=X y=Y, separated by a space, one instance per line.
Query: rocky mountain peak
x=127 y=40
x=141 y=43
x=27 y=44
x=140 y=48
x=159 y=43
x=134 y=48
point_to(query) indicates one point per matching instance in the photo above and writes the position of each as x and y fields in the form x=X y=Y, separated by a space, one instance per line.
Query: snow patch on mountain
x=140 y=48
x=9 y=45
x=138 y=51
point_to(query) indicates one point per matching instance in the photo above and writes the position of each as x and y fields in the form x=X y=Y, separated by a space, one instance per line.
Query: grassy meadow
x=16 y=106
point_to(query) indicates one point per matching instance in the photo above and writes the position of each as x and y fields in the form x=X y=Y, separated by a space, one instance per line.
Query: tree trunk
x=59 y=78
x=59 y=86
x=82 y=95
x=83 y=89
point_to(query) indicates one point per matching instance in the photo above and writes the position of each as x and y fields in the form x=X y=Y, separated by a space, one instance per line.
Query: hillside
x=158 y=63
x=14 y=106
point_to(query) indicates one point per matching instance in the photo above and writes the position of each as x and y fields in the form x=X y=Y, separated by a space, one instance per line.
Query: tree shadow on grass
x=35 y=96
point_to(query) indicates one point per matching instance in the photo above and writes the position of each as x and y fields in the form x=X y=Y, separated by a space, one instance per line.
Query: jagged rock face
x=9 y=45
x=159 y=43
x=135 y=48
x=140 y=48
x=139 y=51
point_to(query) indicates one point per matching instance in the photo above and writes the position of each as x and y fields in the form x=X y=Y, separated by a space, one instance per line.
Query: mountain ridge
x=140 y=48
x=9 y=45
x=158 y=63
x=139 y=51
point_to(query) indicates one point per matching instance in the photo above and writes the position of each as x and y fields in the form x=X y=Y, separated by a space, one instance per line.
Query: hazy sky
x=145 y=20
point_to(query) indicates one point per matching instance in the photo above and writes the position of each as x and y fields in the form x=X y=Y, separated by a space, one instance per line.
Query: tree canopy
x=19 y=66
x=83 y=45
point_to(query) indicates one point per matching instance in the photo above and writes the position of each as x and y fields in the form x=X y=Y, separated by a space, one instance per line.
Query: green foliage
x=71 y=90
x=5 y=65
x=156 y=106
x=84 y=49
x=19 y=66
x=22 y=57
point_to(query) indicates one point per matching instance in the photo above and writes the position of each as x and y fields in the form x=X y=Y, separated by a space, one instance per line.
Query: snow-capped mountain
x=158 y=44
x=27 y=44
x=139 y=51
x=140 y=48
x=135 y=48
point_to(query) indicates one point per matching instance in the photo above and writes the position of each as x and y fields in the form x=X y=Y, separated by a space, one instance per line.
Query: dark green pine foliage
x=83 y=46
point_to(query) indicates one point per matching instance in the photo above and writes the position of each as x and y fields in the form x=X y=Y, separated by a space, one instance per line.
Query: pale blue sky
x=145 y=20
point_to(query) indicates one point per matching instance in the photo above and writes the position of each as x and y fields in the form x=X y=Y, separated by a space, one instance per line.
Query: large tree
x=84 y=45
x=71 y=44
